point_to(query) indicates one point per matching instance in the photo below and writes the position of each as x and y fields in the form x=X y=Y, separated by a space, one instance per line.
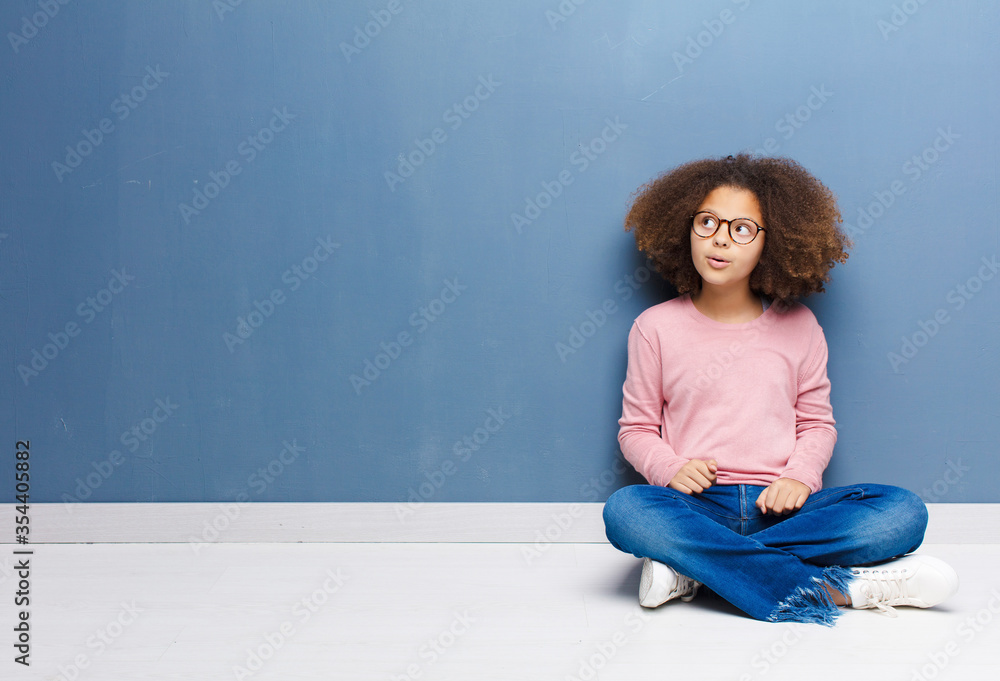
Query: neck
x=727 y=304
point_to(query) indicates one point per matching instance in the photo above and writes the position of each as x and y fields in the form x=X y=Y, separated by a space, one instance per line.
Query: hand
x=694 y=476
x=783 y=496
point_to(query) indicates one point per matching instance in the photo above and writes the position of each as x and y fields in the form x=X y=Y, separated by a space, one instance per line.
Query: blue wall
x=234 y=163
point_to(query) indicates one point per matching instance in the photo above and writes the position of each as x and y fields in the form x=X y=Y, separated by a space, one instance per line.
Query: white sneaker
x=661 y=583
x=915 y=581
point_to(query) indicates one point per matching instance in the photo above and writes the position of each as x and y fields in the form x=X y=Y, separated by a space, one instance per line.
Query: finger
x=695 y=487
x=771 y=499
x=700 y=478
x=699 y=466
x=687 y=486
x=793 y=501
x=760 y=500
x=780 y=499
x=786 y=500
x=800 y=500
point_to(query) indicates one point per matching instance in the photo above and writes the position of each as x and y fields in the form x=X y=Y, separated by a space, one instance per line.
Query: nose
x=721 y=236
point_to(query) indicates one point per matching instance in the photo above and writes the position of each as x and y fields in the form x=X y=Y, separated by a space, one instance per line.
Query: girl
x=727 y=415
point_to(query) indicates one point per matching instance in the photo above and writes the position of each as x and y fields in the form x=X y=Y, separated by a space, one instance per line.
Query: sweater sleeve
x=815 y=434
x=642 y=406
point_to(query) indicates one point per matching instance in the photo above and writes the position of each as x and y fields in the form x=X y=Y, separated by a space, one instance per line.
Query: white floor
x=401 y=611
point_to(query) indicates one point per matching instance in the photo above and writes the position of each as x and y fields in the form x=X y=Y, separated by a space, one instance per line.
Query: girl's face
x=718 y=259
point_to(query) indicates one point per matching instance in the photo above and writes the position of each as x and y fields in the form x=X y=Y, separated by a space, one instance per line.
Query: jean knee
x=615 y=514
x=633 y=514
x=620 y=506
x=914 y=511
x=910 y=508
x=907 y=512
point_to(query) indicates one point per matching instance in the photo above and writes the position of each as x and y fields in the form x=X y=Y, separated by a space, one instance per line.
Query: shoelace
x=882 y=586
x=685 y=587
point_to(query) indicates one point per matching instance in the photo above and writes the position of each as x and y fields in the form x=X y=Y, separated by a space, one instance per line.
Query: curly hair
x=803 y=238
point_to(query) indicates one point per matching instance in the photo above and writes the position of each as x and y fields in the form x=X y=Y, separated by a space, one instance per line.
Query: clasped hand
x=781 y=497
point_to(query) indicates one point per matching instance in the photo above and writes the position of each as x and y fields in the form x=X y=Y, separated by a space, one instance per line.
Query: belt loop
x=743 y=509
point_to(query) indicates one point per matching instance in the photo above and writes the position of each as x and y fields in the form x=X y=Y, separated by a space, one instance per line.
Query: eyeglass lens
x=741 y=230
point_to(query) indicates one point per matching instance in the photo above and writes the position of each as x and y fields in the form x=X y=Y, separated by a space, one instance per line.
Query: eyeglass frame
x=729 y=227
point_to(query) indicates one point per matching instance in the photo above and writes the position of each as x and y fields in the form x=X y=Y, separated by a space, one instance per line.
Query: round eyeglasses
x=741 y=230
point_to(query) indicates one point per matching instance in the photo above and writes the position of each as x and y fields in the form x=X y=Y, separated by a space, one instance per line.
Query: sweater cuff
x=807 y=478
x=662 y=474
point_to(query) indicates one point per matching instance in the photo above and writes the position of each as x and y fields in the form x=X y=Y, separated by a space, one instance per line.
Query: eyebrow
x=716 y=214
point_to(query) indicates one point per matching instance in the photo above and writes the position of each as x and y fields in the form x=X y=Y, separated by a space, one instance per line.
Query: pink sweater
x=755 y=396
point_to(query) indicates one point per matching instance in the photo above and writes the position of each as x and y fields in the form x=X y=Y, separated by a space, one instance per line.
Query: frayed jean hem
x=813 y=604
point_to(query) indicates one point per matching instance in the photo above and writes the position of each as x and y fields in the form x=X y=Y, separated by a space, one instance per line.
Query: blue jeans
x=770 y=567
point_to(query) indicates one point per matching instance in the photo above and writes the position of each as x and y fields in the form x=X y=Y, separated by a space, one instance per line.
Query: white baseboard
x=381 y=522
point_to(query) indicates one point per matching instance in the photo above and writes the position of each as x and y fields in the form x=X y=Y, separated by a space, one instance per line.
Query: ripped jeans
x=770 y=567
